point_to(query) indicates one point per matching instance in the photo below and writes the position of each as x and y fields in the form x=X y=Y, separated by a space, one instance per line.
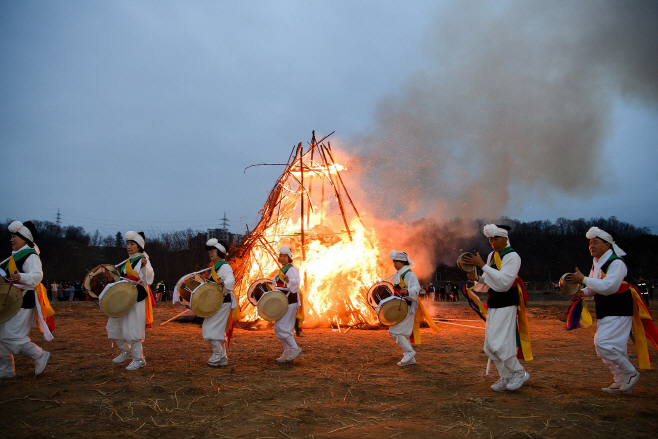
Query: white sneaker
x=500 y=385
x=629 y=380
x=294 y=353
x=282 y=358
x=615 y=389
x=136 y=364
x=407 y=359
x=217 y=360
x=517 y=380
x=40 y=363
x=123 y=356
x=4 y=375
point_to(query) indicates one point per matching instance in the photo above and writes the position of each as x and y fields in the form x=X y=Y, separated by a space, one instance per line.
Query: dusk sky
x=142 y=115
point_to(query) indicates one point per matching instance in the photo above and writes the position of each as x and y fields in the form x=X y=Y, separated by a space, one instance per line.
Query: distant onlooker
x=71 y=292
x=160 y=291
x=53 y=291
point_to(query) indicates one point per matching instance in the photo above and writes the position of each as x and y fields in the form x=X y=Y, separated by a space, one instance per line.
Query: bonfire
x=310 y=210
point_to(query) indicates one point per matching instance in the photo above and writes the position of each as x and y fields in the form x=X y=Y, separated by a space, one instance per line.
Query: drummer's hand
x=472 y=275
x=575 y=278
x=285 y=278
x=16 y=277
x=404 y=292
x=144 y=261
x=474 y=260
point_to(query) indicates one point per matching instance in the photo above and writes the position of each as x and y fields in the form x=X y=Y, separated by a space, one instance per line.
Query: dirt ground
x=343 y=385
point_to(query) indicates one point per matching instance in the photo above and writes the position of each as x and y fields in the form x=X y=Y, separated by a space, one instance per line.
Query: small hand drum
x=271 y=303
x=98 y=278
x=464 y=266
x=11 y=299
x=118 y=298
x=390 y=309
x=568 y=288
x=206 y=299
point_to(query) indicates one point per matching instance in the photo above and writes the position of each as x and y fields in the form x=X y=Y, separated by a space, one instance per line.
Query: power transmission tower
x=225 y=222
x=58 y=218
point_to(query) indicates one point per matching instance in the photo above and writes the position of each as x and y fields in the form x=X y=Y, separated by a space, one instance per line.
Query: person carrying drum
x=128 y=331
x=23 y=270
x=406 y=285
x=500 y=280
x=214 y=327
x=614 y=308
x=287 y=281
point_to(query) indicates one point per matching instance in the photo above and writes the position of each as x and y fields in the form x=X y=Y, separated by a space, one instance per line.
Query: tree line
x=547 y=249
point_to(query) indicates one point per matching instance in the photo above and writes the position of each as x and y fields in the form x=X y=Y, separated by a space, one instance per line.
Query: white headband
x=214 y=243
x=285 y=251
x=18 y=228
x=400 y=256
x=134 y=236
x=595 y=232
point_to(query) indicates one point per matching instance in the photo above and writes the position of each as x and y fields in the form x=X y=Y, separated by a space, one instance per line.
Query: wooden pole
x=301 y=194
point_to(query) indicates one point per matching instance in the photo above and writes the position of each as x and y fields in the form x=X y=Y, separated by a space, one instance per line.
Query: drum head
x=393 y=312
x=568 y=288
x=464 y=266
x=379 y=292
x=118 y=298
x=186 y=285
x=272 y=306
x=11 y=300
x=258 y=289
x=207 y=299
x=98 y=278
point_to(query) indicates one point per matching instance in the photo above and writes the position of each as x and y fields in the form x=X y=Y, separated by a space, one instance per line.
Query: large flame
x=339 y=258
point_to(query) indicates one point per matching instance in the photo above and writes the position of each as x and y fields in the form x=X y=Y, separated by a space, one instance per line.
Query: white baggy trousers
x=500 y=340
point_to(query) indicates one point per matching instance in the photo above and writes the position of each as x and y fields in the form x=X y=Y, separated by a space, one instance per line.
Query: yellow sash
x=11 y=267
x=521 y=315
x=420 y=315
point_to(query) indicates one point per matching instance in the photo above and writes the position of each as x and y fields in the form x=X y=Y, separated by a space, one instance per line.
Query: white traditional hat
x=214 y=243
x=400 y=256
x=25 y=230
x=595 y=232
x=139 y=238
x=494 y=230
x=285 y=251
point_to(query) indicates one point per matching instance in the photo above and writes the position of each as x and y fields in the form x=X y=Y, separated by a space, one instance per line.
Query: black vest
x=503 y=299
x=615 y=304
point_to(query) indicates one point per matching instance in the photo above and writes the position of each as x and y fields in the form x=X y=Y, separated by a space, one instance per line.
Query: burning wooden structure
x=310 y=210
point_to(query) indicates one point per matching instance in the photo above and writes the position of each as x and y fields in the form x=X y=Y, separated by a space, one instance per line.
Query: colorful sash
x=128 y=269
x=11 y=266
x=279 y=276
x=215 y=267
x=523 y=349
x=578 y=316
x=474 y=301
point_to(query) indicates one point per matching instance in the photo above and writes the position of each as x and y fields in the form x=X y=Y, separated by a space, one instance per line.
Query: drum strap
x=279 y=276
x=402 y=283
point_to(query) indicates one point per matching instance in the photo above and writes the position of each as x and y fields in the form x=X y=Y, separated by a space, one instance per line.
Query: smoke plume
x=518 y=94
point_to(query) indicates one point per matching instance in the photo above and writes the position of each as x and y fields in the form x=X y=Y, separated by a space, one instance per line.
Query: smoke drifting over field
x=520 y=94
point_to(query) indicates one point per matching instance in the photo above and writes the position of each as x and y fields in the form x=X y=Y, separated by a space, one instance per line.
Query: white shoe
x=4 y=375
x=408 y=359
x=500 y=385
x=629 y=380
x=294 y=353
x=517 y=380
x=218 y=360
x=615 y=389
x=123 y=356
x=40 y=363
x=136 y=364
x=282 y=358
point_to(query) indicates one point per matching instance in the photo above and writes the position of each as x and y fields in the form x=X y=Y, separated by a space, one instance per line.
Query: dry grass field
x=343 y=385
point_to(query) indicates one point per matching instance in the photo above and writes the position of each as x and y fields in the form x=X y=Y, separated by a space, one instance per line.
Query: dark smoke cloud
x=520 y=93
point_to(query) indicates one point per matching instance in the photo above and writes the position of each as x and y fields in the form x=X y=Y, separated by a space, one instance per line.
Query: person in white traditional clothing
x=406 y=285
x=214 y=327
x=502 y=302
x=129 y=330
x=614 y=311
x=23 y=269
x=287 y=281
